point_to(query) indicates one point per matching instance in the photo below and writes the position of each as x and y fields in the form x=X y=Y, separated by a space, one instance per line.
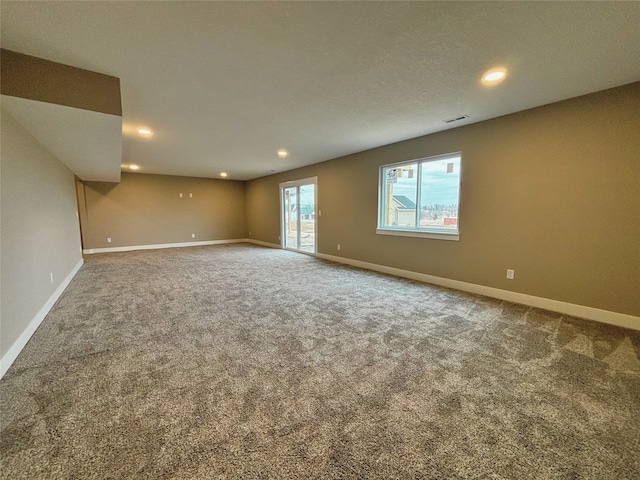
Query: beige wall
x=552 y=192
x=147 y=210
x=38 y=79
x=40 y=231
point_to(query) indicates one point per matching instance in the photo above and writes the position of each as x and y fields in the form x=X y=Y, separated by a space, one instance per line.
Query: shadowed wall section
x=148 y=210
x=38 y=79
x=40 y=235
x=551 y=192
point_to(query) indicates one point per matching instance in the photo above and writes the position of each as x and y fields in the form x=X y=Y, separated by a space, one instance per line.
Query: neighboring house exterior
x=404 y=211
x=307 y=212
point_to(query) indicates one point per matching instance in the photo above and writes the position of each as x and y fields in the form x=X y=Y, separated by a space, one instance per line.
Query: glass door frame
x=283 y=231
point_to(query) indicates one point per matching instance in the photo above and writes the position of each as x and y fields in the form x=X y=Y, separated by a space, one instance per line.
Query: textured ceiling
x=224 y=85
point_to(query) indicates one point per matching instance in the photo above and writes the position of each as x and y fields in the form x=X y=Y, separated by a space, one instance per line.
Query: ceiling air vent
x=456 y=119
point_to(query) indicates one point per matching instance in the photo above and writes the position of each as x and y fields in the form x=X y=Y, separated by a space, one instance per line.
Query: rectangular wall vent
x=456 y=119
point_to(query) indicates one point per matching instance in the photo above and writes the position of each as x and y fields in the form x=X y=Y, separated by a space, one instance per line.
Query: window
x=419 y=198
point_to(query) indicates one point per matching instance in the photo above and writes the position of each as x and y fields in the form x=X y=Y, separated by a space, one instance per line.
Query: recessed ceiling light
x=145 y=132
x=494 y=76
x=282 y=153
x=223 y=174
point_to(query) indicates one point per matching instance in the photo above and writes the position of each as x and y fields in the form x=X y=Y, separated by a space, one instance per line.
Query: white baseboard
x=129 y=248
x=581 y=311
x=10 y=356
x=264 y=244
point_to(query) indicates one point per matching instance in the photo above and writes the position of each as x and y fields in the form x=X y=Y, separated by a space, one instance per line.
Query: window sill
x=413 y=233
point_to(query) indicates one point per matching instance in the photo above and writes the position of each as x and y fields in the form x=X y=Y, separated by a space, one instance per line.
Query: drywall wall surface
x=40 y=230
x=263 y=214
x=148 y=210
x=38 y=79
x=552 y=192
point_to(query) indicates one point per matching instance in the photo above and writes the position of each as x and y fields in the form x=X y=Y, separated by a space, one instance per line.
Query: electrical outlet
x=511 y=274
x=193 y=235
x=191 y=195
x=338 y=246
x=249 y=233
x=51 y=277
x=108 y=239
x=180 y=194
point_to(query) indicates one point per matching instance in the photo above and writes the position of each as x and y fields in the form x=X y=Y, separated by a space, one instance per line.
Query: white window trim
x=416 y=232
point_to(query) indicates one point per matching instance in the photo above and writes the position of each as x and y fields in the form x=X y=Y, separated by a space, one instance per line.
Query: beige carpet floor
x=237 y=361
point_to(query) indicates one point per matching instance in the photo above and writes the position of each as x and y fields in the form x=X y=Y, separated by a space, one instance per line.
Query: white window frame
x=422 y=232
x=283 y=233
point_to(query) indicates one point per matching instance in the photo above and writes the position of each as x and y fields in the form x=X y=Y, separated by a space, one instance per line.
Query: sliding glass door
x=298 y=203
